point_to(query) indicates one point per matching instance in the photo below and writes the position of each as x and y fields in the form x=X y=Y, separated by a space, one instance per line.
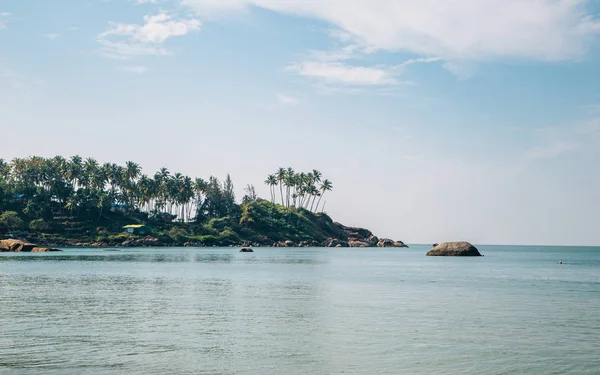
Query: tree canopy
x=77 y=195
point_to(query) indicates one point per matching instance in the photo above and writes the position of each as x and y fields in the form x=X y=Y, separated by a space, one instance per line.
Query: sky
x=473 y=120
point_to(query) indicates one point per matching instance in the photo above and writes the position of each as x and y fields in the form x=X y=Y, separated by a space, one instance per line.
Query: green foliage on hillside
x=80 y=200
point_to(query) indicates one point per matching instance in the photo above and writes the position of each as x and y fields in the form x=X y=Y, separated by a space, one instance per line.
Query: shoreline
x=150 y=242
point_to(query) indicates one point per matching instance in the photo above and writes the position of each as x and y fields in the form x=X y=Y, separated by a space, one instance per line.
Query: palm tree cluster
x=78 y=185
x=298 y=189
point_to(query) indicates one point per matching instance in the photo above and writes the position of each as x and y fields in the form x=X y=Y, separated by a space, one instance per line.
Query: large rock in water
x=457 y=249
x=21 y=246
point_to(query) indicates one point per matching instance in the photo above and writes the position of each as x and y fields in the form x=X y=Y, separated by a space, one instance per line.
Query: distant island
x=56 y=202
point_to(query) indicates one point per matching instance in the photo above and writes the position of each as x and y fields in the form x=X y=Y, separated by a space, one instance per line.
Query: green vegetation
x=298 y=189
x=61 y=201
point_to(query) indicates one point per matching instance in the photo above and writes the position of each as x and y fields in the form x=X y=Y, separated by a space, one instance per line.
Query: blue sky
x=471 y=119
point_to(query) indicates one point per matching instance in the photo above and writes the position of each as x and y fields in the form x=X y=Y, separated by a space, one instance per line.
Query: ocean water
x=301 y=311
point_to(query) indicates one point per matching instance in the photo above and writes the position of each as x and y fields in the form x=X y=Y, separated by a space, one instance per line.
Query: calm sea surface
x=301 y=311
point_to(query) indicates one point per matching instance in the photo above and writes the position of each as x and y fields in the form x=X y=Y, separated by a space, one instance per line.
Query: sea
x=290 y=311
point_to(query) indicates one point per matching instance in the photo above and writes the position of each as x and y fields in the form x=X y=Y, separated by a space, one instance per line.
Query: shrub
x=39 y=225
x=178 y=234
x=10 y=220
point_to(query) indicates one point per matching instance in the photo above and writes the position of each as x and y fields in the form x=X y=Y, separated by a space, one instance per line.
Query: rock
x=372 y=240
x=16 y=246
x=22 y=246
x=333 y=242
x=358 y=243
x=246 y=250
x=43 y=250
x=454 y=249
x=289 y=243
x=386 y=242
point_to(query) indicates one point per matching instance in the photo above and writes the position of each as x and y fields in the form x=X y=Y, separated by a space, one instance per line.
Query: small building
x=136 y=229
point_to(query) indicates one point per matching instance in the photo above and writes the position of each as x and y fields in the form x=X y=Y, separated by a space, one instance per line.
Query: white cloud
x=460 y=29
x=338 y=73
x=147 y=39
x=552 y=150
x=460 y=69
x=134 y=69
x=2 y=24
x=51 y=36
x=555 y=141
x=18 y=83
x=287 y=99
x=139 y=2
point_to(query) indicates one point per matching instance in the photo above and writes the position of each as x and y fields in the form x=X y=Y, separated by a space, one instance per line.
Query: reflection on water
x=118 y=255
x=299 y=311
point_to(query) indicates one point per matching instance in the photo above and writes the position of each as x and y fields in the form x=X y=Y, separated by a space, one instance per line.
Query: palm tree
x=326 y=186
x=74 y=170
x=316 y=175
x=314 y=192
x=272 y=182
x=281 y=173
x=288 y=182
x=4 y=169
x=133 y=170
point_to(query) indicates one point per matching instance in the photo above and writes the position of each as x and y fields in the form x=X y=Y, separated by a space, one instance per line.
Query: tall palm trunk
x=321 y=197
x=281 y=192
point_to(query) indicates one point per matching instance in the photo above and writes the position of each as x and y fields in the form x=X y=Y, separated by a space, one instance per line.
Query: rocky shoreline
x=340 y=237
x=149 y=241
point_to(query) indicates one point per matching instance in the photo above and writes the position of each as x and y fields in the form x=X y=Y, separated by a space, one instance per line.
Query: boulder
x=358 y=243
x=289 y=243
x=386 y=242
x=372 y=240
x=463 y=249
x=16 y=246
x=22 y=246
x=333 y=242
x=43 y=249
x=246 y=250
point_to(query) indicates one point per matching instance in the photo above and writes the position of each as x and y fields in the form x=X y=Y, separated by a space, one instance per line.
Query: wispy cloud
x=17 y=82
x=3 y=25
x=420 y=60
x=433 y=31
x=284 y=99
x=552 y=150
x=134 y=69
x=123 y=41
x=51 y=36
x=460 y=69
x=555 y=29
x=339 y=73
x=556 y=141
x=139 y=2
